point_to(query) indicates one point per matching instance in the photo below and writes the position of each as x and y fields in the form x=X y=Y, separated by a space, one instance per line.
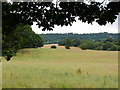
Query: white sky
x=80 y=27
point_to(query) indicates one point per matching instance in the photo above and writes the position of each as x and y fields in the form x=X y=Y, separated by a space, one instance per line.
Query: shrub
x=115 y=48
x=61 y=43
x=98 y=48
x=76 y=42
x=67 y=46
x=88 y=45
x=53 y=46
x=106 y=45
x=118 y=48
x=83 y=46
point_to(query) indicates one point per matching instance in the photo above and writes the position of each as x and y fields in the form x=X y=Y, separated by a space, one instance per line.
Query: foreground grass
x=60 y=68
x=0 y=74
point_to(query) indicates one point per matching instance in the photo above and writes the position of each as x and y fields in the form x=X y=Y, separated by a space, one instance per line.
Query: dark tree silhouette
x=47 y=14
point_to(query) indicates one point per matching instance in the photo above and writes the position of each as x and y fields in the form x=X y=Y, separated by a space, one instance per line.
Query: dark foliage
x=76 y=42
x=67 y=46
x=46 y=14
x=22 y=37
x=59 y=38
x=101 y=45
x=53 y=46
x=107 y=44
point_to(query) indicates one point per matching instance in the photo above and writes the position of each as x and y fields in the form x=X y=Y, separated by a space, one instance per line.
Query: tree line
x=55 y=38
x=108 y=44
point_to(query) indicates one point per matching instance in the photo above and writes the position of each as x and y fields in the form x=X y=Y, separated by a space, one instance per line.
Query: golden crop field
x=61 y=68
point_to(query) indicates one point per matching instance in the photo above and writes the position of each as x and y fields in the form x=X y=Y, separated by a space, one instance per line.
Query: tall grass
x=61 y=68
x=0 y=74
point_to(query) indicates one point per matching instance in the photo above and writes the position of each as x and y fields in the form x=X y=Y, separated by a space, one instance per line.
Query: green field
x=61 y=68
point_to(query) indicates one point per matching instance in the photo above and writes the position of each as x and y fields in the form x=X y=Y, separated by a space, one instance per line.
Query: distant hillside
x=55 y=38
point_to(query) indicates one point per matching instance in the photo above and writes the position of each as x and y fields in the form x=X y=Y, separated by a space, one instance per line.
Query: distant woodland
x=95 y=41
x=55 y=38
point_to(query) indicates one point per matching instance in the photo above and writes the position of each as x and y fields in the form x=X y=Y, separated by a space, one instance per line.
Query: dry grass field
x=0 y=74
x=61 y=68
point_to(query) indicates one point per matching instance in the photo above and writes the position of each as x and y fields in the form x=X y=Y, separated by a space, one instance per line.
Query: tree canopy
x=47 y=14
x=21 y=37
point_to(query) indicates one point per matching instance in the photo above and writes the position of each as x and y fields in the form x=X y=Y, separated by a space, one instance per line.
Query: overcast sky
x=80 y=27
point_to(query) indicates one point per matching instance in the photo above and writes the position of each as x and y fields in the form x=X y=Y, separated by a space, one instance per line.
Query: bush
x=76 y=42
x=98 y=48
x=61 y=43
x=67 y=46
x=83 y=46
x=113 y=48
x=53 y=46
x=106 y=45
x=88 y=45
x=118 y=48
